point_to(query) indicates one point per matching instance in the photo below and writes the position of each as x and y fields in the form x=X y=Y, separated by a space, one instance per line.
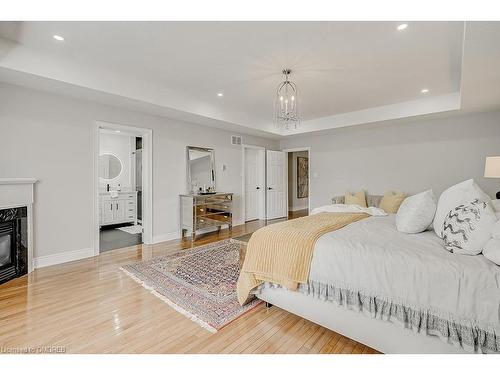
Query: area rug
x=200 y=283
x=132 y=229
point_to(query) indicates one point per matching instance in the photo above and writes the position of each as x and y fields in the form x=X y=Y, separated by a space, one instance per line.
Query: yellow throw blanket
x=282 y=253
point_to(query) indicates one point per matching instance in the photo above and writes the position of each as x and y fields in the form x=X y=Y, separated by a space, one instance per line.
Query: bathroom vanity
x=117 y=208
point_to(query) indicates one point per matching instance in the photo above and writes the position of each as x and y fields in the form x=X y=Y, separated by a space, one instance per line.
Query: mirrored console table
x=205 y=212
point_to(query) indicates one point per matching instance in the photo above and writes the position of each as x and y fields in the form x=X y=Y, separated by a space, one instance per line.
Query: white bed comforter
x=373 y=211
x=371 y=266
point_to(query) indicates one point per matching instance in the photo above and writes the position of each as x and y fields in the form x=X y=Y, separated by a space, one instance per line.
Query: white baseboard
x=298 y=208
x=67 y=256
x=177 y=234
x=166 y=237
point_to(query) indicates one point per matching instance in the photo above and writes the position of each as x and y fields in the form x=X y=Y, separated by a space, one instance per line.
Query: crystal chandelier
x=286 y=106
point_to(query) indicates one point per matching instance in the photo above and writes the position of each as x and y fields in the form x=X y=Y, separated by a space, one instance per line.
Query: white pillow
x=495 y=230
x=495 y=203
x=464 y=192
x=491 y=250
x=416 y=213
x=468 y=228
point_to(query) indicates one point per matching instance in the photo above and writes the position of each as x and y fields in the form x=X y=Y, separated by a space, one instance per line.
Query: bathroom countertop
x=120 y=192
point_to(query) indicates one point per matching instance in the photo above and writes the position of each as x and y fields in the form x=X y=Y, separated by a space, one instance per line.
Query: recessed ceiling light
x=424 y=91
x=117 y=131
x=220 y=94
x=402 y=26
x=58 y=37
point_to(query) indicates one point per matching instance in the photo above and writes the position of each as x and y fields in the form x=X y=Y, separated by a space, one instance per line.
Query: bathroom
x=120 y=189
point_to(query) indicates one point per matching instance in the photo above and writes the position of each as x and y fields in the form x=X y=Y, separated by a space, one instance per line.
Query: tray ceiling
x=348 y=73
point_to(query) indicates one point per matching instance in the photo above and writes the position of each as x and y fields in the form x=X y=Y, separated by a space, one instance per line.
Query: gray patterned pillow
x=467 y=228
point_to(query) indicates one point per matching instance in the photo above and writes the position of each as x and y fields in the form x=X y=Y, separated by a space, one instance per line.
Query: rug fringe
x=176 y=307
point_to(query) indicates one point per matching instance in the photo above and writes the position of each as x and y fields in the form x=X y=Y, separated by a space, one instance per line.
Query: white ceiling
x=348 y=73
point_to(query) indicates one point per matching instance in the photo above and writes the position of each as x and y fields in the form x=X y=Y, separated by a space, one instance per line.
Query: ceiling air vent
x=236 y=140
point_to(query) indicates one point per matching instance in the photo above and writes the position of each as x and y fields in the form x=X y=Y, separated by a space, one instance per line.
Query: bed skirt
x=469 y=338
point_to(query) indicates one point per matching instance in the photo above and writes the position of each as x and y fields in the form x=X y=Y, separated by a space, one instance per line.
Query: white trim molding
x=166 y=237
x=64 y=257
x=297 y=149
x=17 y=181
x=238 y=222
x=177 y=234
x=147 y=173
x=410 y=108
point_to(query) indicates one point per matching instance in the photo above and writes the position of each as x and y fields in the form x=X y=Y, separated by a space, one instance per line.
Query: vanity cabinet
x=119 y=209
x=205 y=212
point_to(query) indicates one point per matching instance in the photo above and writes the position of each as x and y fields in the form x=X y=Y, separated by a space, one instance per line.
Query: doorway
x=298 y=182
x=254 y=182
x=285 y=177
x=122 y=187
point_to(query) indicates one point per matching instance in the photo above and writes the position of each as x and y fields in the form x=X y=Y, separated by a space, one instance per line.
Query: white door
x=276 y=205
x=253 y=183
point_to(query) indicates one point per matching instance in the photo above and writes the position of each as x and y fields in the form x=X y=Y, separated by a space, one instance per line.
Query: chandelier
x=286 y=109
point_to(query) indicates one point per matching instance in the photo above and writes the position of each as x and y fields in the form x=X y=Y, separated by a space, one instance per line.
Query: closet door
x=276 y=173
x=253 y=184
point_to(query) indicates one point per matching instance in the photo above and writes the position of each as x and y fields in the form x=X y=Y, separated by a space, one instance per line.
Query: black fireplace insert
x=13 y=243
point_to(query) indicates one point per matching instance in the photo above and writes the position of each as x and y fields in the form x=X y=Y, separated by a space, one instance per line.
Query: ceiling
x=348 y=73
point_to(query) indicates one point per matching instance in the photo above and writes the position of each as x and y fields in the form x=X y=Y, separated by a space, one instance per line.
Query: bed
x=395 y=292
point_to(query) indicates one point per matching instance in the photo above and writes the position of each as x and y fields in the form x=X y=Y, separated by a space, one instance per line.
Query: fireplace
x=13 y=243
x=16 y=226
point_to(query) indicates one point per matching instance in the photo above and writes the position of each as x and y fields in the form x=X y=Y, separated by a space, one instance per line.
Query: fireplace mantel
x=19 y=192
x=17 y=181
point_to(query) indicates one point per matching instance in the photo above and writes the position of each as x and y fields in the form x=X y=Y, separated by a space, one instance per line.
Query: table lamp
x=492 y=169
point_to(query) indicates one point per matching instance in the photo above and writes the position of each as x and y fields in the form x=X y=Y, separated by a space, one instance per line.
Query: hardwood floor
x=296 y=214
x=90 y=306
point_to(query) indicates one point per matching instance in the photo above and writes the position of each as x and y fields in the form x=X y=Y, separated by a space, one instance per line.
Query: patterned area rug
x=199 y=283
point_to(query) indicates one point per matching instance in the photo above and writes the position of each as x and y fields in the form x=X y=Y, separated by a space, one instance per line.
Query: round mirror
x=109 y=166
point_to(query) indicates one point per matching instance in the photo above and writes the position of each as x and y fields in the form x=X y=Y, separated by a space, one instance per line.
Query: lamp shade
x=492 y=167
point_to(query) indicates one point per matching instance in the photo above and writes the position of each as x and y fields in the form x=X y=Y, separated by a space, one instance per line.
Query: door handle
x=269 y=188
x=258 y=187
x=111 y=208
x=117 y=207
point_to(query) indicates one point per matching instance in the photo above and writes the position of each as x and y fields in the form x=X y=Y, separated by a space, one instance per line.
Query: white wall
x=407 y=155
x=51 y=137
x=294 y=203
x=121 y=147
